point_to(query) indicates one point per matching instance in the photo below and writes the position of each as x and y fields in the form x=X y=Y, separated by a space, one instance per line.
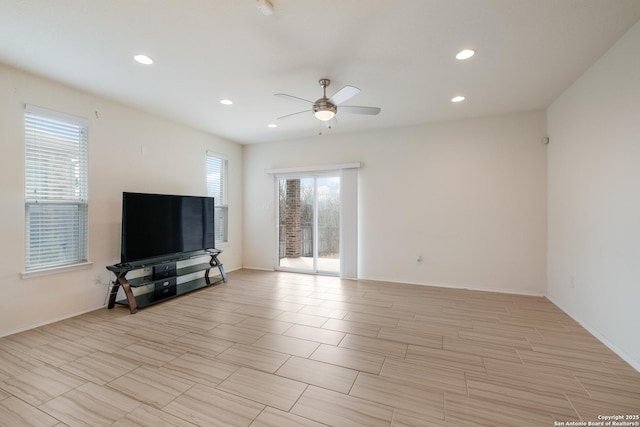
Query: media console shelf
x=162 y=284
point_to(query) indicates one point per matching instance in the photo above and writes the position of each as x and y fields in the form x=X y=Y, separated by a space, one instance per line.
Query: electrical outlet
x=572 y=282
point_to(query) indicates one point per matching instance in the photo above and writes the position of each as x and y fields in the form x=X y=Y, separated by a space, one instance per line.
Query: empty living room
x=339 y=213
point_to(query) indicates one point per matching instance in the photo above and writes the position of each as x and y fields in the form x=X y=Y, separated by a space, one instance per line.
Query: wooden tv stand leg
x=122 y=281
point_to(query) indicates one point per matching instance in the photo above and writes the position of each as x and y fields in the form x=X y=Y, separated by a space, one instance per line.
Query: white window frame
x=56 y=186
x=219 y=190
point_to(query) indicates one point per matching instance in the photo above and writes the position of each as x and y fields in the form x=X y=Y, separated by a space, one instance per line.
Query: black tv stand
x=162 y=283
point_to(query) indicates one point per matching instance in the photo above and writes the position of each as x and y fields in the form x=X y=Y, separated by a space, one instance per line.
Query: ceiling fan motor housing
x=324 y=109
x=323 y=104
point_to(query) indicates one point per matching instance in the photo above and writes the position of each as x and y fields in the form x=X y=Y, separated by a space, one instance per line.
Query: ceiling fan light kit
x=325 y=109
x=325 y=114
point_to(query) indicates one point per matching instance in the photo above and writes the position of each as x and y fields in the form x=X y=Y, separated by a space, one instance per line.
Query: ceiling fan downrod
x=324 y=109
x=324 y=83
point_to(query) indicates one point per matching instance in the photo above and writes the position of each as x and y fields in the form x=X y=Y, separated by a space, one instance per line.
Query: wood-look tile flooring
x=282 y=349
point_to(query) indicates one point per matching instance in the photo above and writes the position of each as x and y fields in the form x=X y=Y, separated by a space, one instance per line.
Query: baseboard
x=617 y=350
x=247 y=267
x=452 y=286
x=435 y=284
x=67 y=316
x=49 y=321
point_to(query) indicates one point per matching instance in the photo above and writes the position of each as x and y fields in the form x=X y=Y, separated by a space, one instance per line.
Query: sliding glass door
x=309 y=223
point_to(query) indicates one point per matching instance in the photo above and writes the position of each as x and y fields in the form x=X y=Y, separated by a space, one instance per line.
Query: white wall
x=128 y=151
x=594 y=198
x=468 y=196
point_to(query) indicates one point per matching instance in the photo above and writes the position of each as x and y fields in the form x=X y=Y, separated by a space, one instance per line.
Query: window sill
x=56 y=270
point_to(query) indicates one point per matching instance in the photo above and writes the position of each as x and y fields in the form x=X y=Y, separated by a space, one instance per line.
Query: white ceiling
x=400 y=53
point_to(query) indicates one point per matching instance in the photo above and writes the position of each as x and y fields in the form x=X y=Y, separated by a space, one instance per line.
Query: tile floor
x=283 y=349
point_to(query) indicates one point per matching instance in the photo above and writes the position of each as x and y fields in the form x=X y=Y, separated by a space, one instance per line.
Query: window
x=217 y=173
x=55 y=189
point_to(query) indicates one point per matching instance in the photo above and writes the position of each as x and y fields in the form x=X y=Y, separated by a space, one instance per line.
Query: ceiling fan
x=325 y=109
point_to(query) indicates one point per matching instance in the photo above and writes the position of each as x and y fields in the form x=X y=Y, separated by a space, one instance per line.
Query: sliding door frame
x=315 y=222
x=348 y=210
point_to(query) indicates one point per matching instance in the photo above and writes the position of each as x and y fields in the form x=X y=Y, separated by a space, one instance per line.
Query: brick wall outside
x=292 y=218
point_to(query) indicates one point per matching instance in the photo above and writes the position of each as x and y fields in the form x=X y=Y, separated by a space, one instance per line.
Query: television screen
x=164 y=226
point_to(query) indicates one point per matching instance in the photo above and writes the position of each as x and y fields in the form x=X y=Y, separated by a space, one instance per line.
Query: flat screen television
x=161 y=226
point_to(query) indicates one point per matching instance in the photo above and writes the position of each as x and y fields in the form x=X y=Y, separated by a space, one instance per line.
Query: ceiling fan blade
x=293 y=98
x=343 y=94
x=293 y=114
x=372 y=111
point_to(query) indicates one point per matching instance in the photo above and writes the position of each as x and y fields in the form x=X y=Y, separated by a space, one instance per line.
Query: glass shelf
x=154 y=297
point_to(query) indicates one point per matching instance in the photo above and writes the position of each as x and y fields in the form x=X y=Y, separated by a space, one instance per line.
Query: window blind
x=56 y=163
x=217 y=174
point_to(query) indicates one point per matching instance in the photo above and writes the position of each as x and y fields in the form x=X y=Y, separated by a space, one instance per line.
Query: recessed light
x=143 y=59
x=272 y=125
x=457 y=98
x=226 y=102
x=465 y=54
